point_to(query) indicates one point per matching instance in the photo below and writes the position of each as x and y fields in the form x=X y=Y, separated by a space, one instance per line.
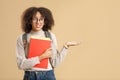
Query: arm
x=58 y=57
x=22 y=61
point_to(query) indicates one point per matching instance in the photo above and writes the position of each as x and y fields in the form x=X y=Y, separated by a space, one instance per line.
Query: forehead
x=37 y=14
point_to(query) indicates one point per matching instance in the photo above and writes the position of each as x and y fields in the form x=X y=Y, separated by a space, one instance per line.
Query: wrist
x=66 y=46
x=41 y=57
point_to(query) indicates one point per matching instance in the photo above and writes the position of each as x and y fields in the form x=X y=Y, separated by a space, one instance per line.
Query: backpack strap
x=24 y=38
x=48 y=35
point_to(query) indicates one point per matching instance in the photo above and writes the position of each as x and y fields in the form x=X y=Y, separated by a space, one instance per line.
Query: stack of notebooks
x=37 y=47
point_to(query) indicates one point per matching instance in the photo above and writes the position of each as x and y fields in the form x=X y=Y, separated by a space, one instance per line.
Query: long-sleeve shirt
x=28 y=63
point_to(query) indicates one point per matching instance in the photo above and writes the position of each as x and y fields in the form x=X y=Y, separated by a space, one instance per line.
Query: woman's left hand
x=71 y=43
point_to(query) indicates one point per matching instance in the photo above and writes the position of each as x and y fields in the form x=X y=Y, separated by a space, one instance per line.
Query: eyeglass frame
x=35 y=19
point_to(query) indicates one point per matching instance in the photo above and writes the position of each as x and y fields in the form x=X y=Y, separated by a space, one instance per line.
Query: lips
x=38 y=26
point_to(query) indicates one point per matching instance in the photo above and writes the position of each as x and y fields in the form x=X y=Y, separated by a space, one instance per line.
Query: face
x=37 y=22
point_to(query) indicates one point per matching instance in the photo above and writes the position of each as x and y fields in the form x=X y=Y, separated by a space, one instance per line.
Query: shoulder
x=52 y=35
x=19 y=37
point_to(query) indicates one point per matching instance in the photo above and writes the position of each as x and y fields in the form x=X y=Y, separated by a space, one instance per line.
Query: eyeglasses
x=36 y=19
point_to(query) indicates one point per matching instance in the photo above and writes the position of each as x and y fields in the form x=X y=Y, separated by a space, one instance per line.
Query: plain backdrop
x=96 y=23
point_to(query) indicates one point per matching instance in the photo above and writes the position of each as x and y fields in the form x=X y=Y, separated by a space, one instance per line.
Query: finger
x=73 y=43
x=78 y=43
x=49 y=49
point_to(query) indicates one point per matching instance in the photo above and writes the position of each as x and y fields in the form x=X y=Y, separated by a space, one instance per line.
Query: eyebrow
x=37 y=17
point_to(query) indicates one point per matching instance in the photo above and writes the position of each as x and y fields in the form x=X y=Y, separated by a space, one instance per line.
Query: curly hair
x=30 y=12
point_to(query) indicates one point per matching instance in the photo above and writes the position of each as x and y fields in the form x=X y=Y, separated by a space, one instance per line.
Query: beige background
x=94 y=22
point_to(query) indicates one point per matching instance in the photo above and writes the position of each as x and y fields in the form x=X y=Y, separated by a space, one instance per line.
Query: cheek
x=43 y=22
x=33 y=25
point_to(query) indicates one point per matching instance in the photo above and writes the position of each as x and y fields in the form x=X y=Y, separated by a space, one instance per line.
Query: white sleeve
x=57 y=56
x=22 y=61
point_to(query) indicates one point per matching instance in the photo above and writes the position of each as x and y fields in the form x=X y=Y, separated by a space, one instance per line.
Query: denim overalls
x=39 y=75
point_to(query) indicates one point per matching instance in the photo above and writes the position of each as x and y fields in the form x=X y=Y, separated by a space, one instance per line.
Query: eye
x=34 y=19
x=41 y=19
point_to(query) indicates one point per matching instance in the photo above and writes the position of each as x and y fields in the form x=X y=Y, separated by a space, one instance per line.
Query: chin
x=38 y=29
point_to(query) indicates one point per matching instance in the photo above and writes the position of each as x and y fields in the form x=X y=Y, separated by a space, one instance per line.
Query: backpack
x=24 y=38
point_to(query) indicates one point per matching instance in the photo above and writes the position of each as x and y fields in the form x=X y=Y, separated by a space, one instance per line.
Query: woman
x=35 y=21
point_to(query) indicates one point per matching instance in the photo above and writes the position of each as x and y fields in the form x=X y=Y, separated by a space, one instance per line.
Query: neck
x=37 y=32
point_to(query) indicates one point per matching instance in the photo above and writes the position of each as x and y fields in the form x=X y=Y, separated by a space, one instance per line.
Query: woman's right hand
x=46 y=54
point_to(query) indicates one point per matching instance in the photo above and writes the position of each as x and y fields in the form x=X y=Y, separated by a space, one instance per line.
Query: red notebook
x=38 y=47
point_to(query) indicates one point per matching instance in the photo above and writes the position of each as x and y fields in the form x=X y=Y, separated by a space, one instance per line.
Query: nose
x=38 y=20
